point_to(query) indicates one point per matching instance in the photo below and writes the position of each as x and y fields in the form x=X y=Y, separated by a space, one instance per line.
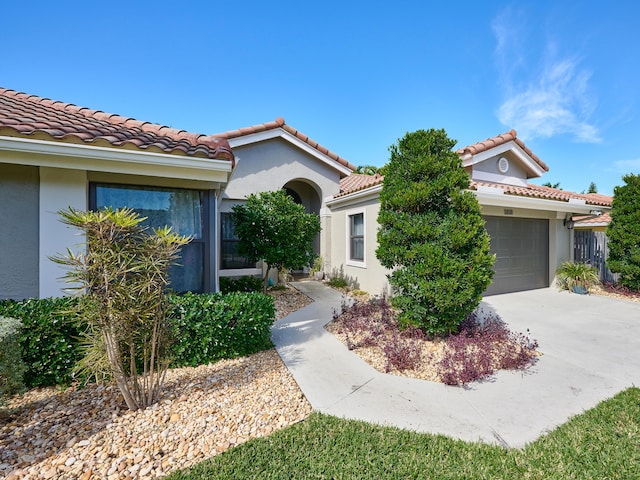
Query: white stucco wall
x=59 y=189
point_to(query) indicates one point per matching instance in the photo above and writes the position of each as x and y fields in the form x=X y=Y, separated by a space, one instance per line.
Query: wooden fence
x=592 y=247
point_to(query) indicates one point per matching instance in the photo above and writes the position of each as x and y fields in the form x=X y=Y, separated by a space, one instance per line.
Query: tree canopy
x=624 y=232
x=432 y=234
x=273 y=228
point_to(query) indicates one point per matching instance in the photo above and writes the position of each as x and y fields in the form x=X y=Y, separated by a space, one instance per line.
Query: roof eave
x=114 y=160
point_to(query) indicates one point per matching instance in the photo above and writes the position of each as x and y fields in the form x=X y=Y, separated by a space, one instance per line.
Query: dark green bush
x=240 y=284
x=12 y=367
x=207 y=328
x=48 y=340
x=210 y=327
x=624 y=231
x=432 y=235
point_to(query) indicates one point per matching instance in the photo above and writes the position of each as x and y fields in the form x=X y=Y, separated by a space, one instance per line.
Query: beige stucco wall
x=272 y=164
x=371 y=276
x=368 y=275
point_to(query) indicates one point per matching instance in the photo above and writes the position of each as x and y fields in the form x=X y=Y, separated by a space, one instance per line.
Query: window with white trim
x=356 y=237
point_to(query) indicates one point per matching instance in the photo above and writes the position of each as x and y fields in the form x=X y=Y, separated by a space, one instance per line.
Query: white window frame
x=349 y=261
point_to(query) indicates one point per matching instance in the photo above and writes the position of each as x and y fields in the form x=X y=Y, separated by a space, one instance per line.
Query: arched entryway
x=306 y=194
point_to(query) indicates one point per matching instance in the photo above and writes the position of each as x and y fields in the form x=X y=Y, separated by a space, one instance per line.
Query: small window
x=231 y=259
x=356 y=237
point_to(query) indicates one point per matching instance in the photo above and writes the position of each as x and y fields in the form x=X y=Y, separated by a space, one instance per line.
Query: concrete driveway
x=590 y=351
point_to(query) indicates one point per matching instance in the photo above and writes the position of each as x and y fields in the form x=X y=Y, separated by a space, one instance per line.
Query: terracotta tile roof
x=280 y=123
x=499 y=140
x=548 y=193
x=356 y=182
x=588 y=220
x=30 y=116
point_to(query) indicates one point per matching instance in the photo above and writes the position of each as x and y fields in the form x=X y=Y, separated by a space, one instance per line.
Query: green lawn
x=602 y=443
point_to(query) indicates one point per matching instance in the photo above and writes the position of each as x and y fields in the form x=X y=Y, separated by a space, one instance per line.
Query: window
x=229 y=246
x=181 y=209
x=356 y=237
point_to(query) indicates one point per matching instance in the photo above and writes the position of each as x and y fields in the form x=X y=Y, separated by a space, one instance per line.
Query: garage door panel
x=521 y=246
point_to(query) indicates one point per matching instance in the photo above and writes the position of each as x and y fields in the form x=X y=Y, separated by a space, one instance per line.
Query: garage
x=521 y=246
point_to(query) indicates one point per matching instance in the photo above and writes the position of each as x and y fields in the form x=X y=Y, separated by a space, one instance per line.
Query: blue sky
x=354 y=76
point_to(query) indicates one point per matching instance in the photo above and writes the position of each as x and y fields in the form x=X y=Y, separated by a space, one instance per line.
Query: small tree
x=123 y=275
x=432 y=234
x=624 y=232
x=593 y=188
x=271 y=227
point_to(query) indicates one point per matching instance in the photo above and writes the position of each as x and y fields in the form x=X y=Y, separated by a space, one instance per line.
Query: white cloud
x=627 y=166
x=555 y=100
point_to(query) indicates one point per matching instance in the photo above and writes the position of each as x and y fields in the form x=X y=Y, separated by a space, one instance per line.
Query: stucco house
x=54 y=155
x=529 y=225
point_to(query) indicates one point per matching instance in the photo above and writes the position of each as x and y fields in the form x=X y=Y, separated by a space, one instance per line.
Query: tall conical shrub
x=432 y=235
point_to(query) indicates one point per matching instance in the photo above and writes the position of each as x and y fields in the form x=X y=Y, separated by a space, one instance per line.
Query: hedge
x=240 y=284
x=12 y=367
x=206 y=327
x=210 y=327
x=49 y=339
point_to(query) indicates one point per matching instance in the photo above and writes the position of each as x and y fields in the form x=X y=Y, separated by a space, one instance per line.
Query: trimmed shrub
x=240 y=284
x=624 y=231
x=210 y=327
x=432 y=235
x=337 y=282
x=48 y=340
x=206 y=328
x=12 y=367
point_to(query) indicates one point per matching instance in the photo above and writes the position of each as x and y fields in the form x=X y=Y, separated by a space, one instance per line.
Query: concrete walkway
x=590 y=346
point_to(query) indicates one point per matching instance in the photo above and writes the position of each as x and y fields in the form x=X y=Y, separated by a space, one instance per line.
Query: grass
x=602 y=443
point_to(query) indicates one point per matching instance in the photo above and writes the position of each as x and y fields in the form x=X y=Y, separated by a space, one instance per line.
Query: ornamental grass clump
x=121 y=278
x=577 y=276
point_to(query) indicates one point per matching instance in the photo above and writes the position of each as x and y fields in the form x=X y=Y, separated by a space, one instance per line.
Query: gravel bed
x=598 y=290
x=88 y=433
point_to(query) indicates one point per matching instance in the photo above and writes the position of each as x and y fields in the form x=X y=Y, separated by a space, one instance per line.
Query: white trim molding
x=351 y=197
x=348 y=260
x=43 y=153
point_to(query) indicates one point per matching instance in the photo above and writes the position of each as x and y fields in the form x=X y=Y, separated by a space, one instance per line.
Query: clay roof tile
x=26 y=115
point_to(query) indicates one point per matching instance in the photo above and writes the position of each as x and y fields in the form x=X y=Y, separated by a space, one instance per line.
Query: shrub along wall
x=207 y=328
x=12 y=367
x=48 y=338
